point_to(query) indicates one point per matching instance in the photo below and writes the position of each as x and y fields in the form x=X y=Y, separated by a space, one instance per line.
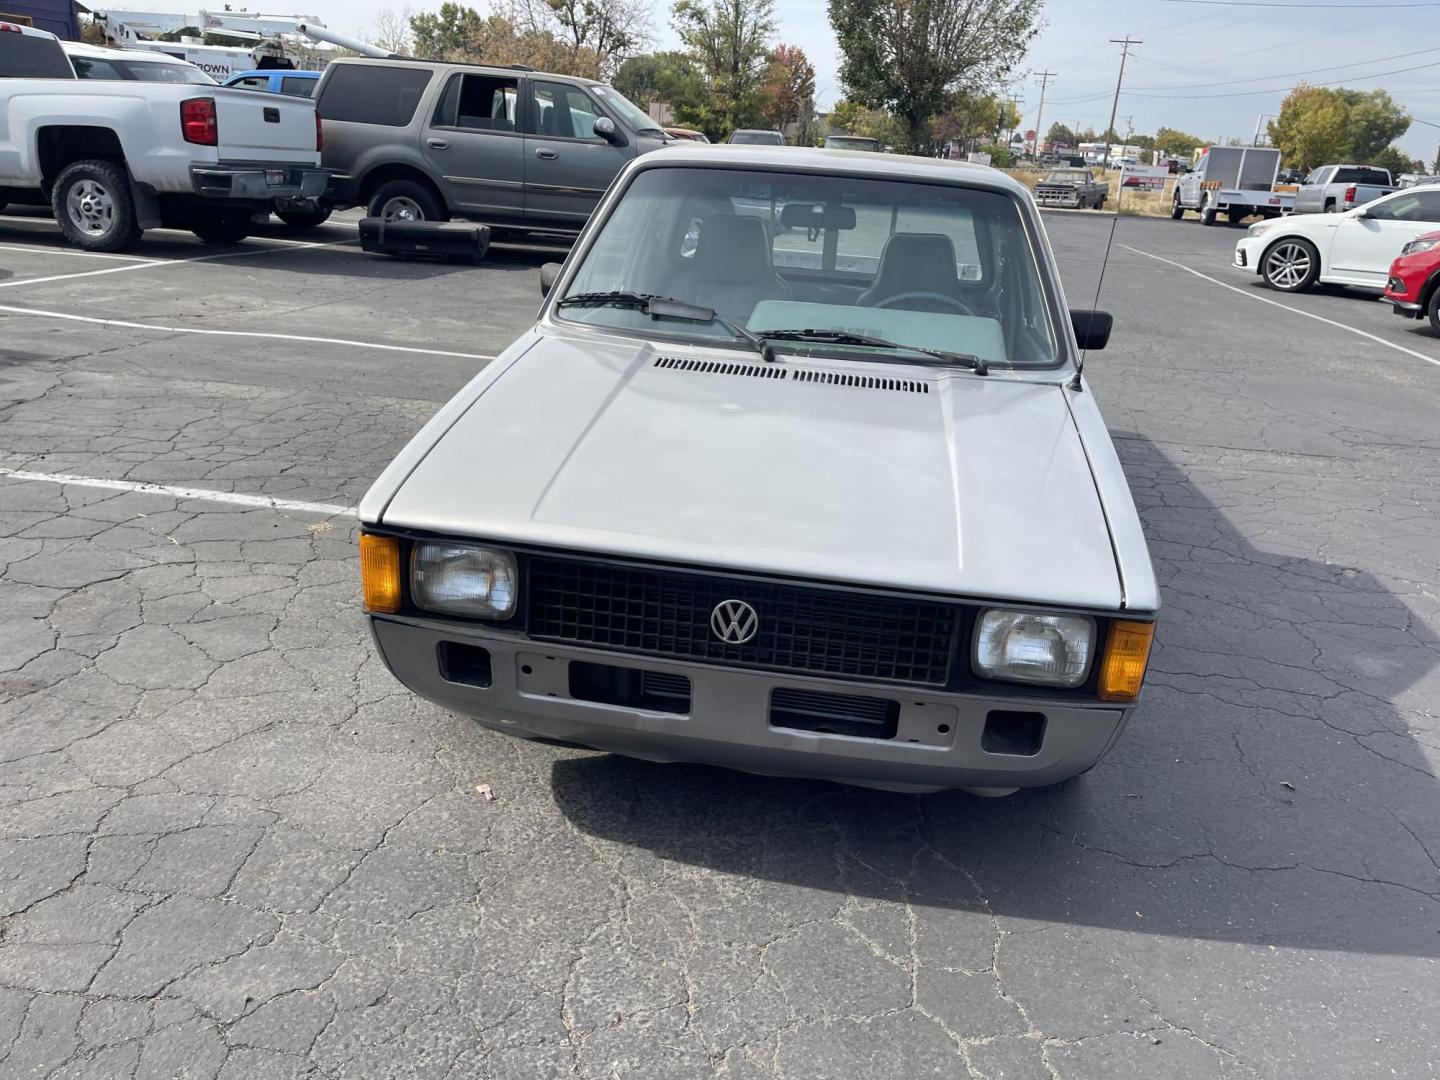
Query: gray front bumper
x=937 y=745
x=259 y=181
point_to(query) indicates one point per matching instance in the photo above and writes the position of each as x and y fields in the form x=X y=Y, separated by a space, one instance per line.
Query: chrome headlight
x=1022 y=646
x=461 y=579
x=1414 y=247
x=1261 y=227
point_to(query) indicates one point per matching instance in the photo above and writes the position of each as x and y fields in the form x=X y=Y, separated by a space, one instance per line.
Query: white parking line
x=259 y=502
x=160 y=263
x=36 y=249
x=1250 y=295
x=67 y=317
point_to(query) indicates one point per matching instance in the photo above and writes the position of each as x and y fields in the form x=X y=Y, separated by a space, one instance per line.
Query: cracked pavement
x=232 y=847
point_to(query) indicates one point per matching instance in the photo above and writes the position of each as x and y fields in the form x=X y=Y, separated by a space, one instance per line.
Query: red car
x=1414 y=286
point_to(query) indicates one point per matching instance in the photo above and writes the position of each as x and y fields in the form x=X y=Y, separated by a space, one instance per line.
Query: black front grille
x=801 y=629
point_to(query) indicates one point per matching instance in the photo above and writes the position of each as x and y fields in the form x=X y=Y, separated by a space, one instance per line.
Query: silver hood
x=944 y=481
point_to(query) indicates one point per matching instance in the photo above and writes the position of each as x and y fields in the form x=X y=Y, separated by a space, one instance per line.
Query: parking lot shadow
x=1269 y=790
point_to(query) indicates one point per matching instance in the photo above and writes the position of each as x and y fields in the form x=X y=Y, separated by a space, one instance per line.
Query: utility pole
x=1124 y=44
x=1015 y=100
x=1045 y=77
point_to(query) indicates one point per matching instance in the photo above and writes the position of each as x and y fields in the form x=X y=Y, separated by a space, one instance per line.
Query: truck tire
x=1290 y=264
x=1176 y=210
x=222 y=228
x=406 y=200
x=91 y=201
x=1207 y=212
x=303 y=219
x=1330 y=206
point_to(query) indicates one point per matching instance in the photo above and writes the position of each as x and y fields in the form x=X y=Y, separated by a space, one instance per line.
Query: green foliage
x=787 y=91
x=1001 y=156
x=729 y=43
x=1175 y=143
x=850 y=118
x=910 y=56
x=1392 y=158
x=1060 y=133
x=1322 y=126
x=447 y=33
x=671 y=77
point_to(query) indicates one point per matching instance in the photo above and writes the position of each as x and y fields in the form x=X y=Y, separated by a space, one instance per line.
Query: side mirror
x=605 y=128
x=1092 y=328
x=548 y=273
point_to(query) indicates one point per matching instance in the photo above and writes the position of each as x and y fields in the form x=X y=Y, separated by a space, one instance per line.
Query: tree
x=1312 y=128
x=670 y=77
x=392 y=31
x=850 y=118
x=610 y=29
x=447 y=34
x=729 y=42
x=1059 y=133
x=1392 y=158
x=907 y=56
x=787 y=92
x=1175 y=143
x=1375 y=121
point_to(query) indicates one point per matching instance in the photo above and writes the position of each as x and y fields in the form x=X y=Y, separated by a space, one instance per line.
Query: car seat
x=733 y=271
x=914 y=262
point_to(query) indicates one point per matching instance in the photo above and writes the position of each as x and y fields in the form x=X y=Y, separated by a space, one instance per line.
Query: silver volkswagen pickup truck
x=796 y=473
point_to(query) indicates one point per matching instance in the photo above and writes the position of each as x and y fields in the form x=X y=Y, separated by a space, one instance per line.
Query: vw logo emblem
x=734 y=622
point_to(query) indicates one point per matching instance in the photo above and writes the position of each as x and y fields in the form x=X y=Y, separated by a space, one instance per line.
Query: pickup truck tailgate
x=256 y=126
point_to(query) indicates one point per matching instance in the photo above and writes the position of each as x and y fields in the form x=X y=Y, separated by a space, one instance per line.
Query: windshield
x=1066 y=176
x=114 y=67
x=851 y=142
x=634 y=117
x=763 y=138
x=929 y=265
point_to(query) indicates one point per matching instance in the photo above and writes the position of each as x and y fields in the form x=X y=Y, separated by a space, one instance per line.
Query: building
x=60 y=17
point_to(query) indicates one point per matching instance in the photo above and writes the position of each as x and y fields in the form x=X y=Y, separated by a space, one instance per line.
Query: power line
x=1282 y=74
x=1124 y=44
x=1045 y=77
x=1286 y=89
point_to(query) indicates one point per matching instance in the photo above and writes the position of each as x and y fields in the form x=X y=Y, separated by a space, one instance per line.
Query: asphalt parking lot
x=232 y=846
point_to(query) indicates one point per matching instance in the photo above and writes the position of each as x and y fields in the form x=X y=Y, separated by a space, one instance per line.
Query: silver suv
x=415 y=140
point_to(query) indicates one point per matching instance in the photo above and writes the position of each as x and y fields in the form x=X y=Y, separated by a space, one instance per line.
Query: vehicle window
x=938 y=266
x=143 y=71
x=1412 y=205
x=25 y=56
x=252 y=82
x=563 y=112
x=386 y=95
x=758 y=138
x=636 y=118
x=478 y=103
x=296 y=86
x=87 y=67
x=1315 y=176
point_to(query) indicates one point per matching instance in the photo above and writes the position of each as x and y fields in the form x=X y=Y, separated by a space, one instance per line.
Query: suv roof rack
x=521 y=67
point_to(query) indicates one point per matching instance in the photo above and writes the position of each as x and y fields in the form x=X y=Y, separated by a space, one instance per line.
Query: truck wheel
x=1176 y=210
x=1290 y=265
x=303 y=219
x=1207 y=212
x=91 y=201
x=406 y=200
x=1330 y=206
x=224 y=228
x=1100 y=203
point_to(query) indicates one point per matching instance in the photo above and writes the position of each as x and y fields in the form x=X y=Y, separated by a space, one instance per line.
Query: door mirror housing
x=548 y=273
x=606 y=129
x=1092 y=328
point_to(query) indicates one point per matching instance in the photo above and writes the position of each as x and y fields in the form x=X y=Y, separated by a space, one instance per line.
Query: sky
x=1206 y=67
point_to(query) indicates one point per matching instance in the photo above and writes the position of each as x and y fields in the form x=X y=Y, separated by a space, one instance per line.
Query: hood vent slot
x=861 y=382
x=808 y=375
x=717 y=367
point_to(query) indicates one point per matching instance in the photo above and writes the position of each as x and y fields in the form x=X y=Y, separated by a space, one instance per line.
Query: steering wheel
x=948 y=301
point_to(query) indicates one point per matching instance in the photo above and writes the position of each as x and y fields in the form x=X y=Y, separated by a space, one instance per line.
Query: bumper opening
x=834 y=714
x=468 y=665
x=1010 y=732
x=632 y=688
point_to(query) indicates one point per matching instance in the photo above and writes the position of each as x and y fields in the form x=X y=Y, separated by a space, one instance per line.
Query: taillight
x=319 y=134
x=1350 y=193
x=6 y=27
x=197 y=121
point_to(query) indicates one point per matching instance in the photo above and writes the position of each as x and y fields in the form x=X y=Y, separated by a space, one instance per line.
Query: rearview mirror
x=605 y=128
x=1092 y=328
x=548 y=273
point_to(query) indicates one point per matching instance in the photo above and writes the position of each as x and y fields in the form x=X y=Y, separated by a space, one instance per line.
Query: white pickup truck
x=115 y=158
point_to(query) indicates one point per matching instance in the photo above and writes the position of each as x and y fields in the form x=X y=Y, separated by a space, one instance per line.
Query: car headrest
x=733 y=248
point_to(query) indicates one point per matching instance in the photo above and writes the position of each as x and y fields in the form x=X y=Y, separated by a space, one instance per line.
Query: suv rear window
x=373 y=94
x=29 y=56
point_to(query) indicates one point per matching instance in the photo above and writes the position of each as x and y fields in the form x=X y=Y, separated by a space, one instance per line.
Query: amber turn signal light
x=380 y=572
x=1127 y=652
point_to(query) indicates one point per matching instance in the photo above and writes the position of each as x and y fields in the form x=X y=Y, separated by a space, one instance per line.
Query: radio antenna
x=1090 y=318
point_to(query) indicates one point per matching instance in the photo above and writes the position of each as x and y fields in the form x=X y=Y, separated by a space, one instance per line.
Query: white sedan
x=1353 y=248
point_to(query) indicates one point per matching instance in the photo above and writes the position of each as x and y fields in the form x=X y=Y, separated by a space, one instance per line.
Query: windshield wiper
x=843 y=337
x=665 y=307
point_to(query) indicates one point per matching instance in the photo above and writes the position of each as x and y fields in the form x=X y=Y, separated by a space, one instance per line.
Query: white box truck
x=1237 y=181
